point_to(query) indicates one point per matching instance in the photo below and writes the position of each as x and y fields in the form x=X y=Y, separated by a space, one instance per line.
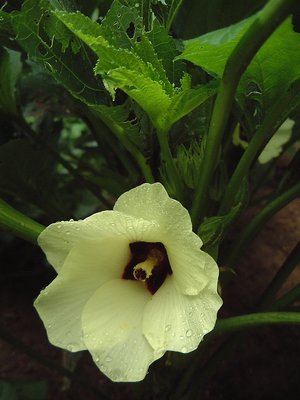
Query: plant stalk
x=268 y=19
x=18 y=223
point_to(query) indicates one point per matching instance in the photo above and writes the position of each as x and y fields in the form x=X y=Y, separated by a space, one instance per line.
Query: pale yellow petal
x=112 y=325
x=178 y=322
x=58 y=239
x=88 y=266
x=152 y=202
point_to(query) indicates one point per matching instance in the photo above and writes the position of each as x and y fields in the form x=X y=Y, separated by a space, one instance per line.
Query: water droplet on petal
x=67 y=233
x=184 y=349
x=181 y=337
x=108 y=359
x=70 y=347
x=58 y=226
x=189 y=333
x=167 y=328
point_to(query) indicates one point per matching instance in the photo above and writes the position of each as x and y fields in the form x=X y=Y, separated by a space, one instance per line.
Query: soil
x=263 y=364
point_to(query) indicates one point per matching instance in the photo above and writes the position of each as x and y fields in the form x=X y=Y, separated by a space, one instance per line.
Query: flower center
x=149 y=264
x=143 y=270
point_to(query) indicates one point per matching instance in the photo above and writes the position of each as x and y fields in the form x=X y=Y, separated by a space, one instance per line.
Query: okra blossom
x=131 y=284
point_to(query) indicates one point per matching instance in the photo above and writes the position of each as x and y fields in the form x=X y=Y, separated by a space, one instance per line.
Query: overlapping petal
x=152 y=203
x=112 y=324
x=88 y=266
x=58 y=239
x=174 y=321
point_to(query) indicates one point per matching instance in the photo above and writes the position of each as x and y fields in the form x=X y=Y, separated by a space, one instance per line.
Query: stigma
x=143 y=270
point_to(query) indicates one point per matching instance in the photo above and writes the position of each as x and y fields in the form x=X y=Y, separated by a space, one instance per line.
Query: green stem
x=258 y=221
x=273 y=120
x=265 y=23
x=18 y=223
x=172 y=171
x=287 y=268
x=173 y=11
x=242 y=322
x=225 y=326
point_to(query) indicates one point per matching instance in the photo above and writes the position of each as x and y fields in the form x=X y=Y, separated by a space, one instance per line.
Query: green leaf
x=10 y=68
x=166 y=49
x=275 y=67
x=270 y=71
x=50 y=44
x=186 y=100
x=211 y=51
x=138 y=72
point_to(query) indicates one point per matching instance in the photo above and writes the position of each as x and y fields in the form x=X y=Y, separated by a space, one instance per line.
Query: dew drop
x=70 y=347
x=108 y=359
x=167 y=328
x=67 y=233
x=189 y=333
x=184 y=350
x=71 y=220
x=59 y=226
x=181 y=337
x=77 y=228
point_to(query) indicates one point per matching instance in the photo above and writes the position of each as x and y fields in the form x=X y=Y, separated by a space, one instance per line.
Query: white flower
x=132 y=283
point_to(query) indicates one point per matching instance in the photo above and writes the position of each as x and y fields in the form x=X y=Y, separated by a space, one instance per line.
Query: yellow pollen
x=143 y=270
